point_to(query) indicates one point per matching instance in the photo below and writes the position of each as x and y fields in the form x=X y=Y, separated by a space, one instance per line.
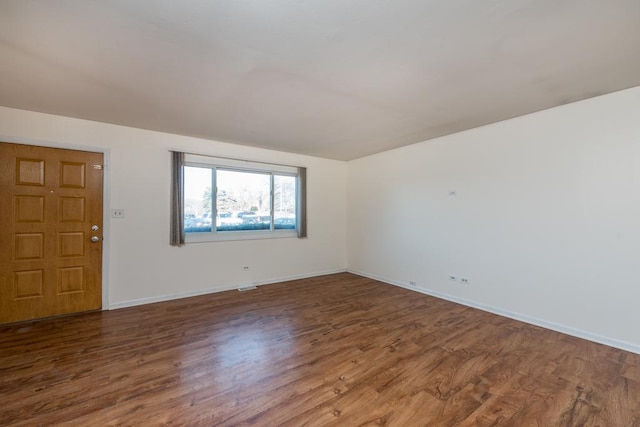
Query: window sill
x=229 y=236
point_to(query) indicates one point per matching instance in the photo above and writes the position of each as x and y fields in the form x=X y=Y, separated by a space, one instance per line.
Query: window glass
x=243 y=201
x=284 y=202
x=197 y=199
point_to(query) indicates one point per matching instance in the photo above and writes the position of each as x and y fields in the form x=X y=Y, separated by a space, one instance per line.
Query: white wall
x=545 y=223
x=140 y=266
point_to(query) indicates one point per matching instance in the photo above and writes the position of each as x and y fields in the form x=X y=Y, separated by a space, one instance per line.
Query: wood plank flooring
x=337 y=350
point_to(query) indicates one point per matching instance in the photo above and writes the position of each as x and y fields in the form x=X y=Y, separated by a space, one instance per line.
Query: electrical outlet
x=412 y=283
x=245 y=268
x=117 y=213
x=453 y=277
x=465 y=280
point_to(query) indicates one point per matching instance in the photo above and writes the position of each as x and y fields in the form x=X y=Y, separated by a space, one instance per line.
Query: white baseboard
x=622 y=345
x=169 y=297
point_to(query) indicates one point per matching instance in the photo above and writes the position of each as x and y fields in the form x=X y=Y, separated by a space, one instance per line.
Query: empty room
x=320 y=213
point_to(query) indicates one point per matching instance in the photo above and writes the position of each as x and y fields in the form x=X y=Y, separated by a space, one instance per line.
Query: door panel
x=50 y=198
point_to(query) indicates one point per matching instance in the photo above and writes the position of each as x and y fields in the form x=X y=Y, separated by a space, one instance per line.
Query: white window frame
x=215 y=163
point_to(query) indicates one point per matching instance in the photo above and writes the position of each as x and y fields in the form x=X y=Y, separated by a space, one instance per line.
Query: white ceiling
x=331 y=78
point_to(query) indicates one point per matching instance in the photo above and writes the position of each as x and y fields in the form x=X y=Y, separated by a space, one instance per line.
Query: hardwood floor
x=333 y=350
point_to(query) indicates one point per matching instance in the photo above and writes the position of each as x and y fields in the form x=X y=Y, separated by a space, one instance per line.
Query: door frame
x=106 y=207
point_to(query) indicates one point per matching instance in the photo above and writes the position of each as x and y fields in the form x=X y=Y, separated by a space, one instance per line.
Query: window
x=228 y=199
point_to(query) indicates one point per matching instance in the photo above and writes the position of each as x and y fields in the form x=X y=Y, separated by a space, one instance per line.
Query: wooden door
x=50 y=199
